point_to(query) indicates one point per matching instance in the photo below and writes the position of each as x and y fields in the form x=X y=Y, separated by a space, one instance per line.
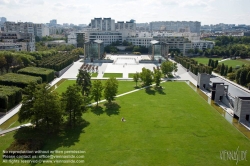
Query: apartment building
x=17 y=41
x=39 y=30
x=129 y=25
x=105 y=24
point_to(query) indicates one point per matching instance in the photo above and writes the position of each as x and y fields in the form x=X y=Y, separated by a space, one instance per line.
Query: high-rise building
x=105 y=24
x=53 y=22
x=3 y=20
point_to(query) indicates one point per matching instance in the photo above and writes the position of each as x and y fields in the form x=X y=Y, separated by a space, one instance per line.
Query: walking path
x=14 y=128
x=224 y=60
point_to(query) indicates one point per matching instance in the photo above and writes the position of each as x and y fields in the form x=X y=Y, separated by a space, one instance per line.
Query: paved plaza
x=123 y=64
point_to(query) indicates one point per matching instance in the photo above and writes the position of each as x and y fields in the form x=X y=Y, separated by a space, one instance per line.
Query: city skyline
x=78 y=12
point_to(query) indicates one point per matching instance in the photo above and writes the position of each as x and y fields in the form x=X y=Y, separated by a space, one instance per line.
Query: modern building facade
x=94 y=50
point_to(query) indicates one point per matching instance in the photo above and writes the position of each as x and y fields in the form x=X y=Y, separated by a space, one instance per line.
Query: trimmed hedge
x=19 y=80
x=10 y=96
x=57 y=62
x=47 y=75
x=193 y=65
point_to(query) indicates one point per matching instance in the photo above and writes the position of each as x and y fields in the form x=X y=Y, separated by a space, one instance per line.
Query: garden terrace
x=47 y=75
x=19 y=80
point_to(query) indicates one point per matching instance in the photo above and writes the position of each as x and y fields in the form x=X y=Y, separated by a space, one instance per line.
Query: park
x=171 y=125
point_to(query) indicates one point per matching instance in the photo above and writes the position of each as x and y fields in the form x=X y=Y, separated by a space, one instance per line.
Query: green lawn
x=205 y=60
x=170 y=127
x=131 y=75
x=124 y=86
x=234 y=63
x=94 y=74
x=116 y=75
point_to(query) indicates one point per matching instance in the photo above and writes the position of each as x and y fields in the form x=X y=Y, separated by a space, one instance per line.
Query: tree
x=226 y=70
x=2 y=63
x=42 y=107
x=222 y=69
x=212 y=64
x=73 y=103
x=230 y=70
x=216 y=64
x=237 y=75
x=96 y=90
x=146 y=76
x=167 y=67
x=111 y=89
x=78 y=51
x=175 y=67
x=48 y=109
x=243 y=77
x=157 y=77
x=136 y=77
x=37 y=39
x=84 y=81
x=248 y=77
x=209 y=62
x=26 y=111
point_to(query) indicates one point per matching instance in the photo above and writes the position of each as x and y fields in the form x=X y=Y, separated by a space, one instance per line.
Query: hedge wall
x=47 y=75
x=57 y=62
x=193 y=65
x=19 y=80
x=10 y=96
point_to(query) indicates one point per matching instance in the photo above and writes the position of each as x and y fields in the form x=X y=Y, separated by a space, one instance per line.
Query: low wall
x=193 y=75
x=99 y=61
x=148 y=61
x=61 y=72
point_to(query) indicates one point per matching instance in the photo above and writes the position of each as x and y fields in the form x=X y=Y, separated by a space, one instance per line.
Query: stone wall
x=60 y=73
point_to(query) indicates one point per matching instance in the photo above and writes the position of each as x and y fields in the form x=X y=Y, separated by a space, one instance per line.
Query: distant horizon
x=120 y=20
x=143 y=11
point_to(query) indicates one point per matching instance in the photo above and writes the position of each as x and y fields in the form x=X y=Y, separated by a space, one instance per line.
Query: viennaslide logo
x=236 y=155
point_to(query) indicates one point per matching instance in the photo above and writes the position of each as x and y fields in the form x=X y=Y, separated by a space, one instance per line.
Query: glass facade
x=158 y=50
x=94 y=50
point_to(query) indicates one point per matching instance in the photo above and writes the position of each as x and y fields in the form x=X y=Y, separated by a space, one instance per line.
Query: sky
x=82 y=11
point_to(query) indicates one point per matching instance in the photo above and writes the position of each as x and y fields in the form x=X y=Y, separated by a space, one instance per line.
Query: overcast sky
x=82 y=11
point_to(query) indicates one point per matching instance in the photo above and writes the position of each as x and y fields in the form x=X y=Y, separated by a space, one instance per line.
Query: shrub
x=231 y=76
x=19 y=80
x=47 y=75
x=9 y=97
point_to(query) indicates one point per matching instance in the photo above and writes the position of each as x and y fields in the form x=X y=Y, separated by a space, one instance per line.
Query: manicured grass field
x=205 y=60
x=94 y=74
x=170 y=127
x=116 y=75
x=234 y=63
x=124 y=86
x=131 y=75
